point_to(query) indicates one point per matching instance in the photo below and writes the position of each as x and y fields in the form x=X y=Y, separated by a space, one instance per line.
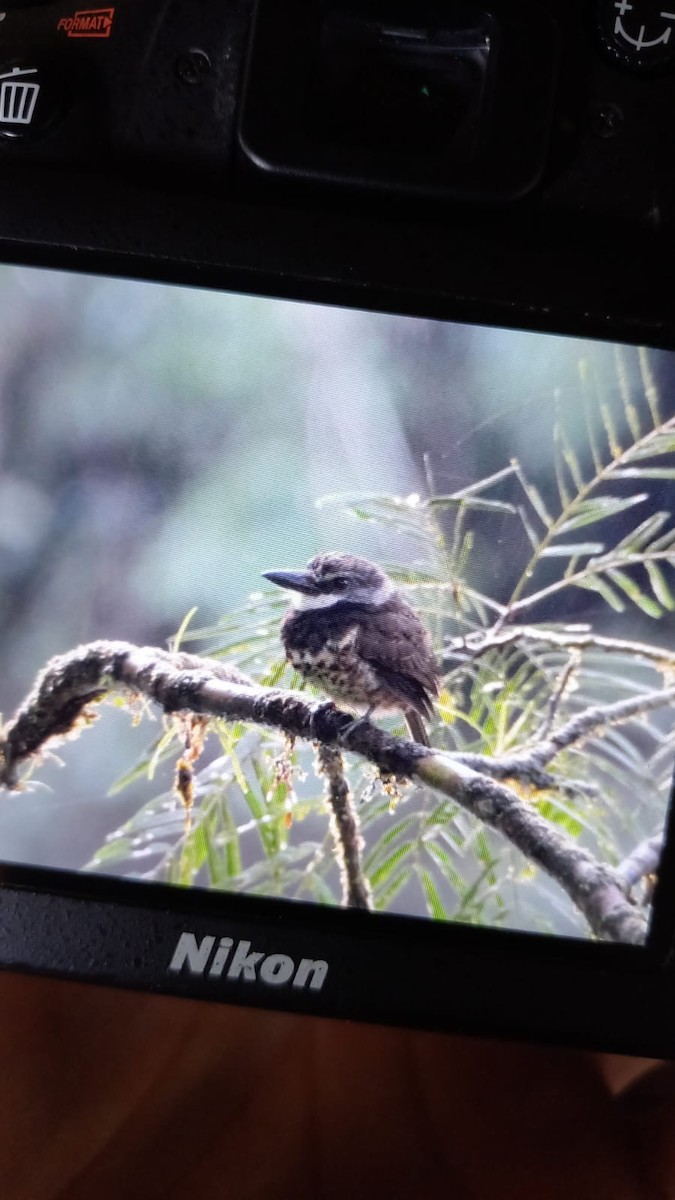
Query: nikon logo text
x=213 y=957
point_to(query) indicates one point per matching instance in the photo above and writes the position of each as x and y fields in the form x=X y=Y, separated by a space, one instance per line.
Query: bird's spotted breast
x=371 y=657
x=337 y=668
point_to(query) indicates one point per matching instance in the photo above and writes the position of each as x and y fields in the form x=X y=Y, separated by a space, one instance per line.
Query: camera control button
x=638 y=34
x=30 y=100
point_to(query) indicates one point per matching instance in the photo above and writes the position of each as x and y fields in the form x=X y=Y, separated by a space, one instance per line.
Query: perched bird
x=355 y=637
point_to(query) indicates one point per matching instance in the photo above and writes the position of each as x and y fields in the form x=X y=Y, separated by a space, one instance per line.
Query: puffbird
x=353 y=634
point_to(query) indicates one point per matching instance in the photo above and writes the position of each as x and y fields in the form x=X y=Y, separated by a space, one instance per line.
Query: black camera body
x=537 y=188
x=506 y=164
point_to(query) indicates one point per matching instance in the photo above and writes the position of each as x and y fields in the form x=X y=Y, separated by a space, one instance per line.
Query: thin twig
x=596 y=566
x=528 y=766
x=474 y=645
x=557 y=696
x=594 y=719
x=522 y=769
x=643 y=860
x=345 y=828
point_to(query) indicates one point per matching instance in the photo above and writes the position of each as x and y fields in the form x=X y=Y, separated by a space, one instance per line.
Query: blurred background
x=160 y=447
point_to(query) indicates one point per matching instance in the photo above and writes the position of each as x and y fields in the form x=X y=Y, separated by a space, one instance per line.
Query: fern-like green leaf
x=634 y=592
x=599 y=508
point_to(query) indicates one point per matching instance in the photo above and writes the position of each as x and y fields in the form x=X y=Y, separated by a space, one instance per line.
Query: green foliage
x=630 y=569
x=261 y=827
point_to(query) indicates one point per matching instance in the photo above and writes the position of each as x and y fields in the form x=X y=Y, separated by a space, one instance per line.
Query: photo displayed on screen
x=464 y=533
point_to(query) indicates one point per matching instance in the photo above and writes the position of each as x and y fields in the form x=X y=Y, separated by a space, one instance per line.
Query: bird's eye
x=339 y=583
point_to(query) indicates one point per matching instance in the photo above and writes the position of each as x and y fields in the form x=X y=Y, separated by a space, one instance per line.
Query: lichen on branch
x=61 y=702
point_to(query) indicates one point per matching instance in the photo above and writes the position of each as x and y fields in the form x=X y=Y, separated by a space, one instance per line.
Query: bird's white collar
x=363 y=595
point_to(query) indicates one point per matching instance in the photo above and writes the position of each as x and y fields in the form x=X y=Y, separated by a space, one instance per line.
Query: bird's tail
x=416 y=727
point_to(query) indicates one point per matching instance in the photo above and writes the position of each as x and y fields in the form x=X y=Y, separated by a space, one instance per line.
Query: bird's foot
x=353 y=726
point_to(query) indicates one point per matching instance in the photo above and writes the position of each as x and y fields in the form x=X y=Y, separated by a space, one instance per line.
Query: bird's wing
x=401 y=653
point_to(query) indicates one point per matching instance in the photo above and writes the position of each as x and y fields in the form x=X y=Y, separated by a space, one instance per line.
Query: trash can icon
x=18 y=96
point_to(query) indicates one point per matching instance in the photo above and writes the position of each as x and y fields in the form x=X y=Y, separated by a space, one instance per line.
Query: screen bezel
x=529 y=964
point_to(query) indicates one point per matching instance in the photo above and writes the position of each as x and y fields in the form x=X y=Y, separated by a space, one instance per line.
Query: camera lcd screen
x=463 y=533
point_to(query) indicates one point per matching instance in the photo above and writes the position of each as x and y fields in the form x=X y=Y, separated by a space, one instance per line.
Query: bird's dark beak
x=296 y=581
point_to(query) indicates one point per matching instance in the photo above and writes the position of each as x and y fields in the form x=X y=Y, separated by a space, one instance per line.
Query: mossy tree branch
x=356 y=891
x=59 y=703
